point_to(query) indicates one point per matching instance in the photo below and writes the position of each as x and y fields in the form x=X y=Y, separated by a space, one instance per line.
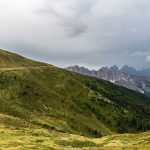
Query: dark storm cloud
x=87 y=32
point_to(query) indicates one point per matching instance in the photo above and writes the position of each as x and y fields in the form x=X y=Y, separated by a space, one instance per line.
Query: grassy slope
x=27 y=136
x=8 y=59
x=58 y=100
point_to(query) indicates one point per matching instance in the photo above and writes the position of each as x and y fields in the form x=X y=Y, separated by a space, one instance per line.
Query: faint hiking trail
x=22 y=68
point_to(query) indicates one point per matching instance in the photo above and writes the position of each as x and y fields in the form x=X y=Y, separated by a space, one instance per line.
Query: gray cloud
x=74 y=15
x=147 y=58
x=65 y=32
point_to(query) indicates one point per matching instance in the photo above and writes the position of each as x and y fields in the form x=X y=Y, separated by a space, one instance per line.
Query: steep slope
x=55 y=99
x=8 y=60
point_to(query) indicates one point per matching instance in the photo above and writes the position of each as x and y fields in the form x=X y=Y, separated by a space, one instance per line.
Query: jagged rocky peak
x=114 y=68
x=104 y=69
x=73 y=68
x=81 y=70
x=128 y=70
x=76 y=67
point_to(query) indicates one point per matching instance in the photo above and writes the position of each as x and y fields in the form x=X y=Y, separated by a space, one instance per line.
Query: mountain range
x=127 y=70
x=132 y=71
x=126 y=76
x=46 y=107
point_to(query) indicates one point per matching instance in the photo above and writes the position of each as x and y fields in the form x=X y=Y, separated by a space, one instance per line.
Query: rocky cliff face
x=116 y=76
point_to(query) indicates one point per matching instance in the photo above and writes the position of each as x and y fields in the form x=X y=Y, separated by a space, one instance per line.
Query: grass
x=8 y=60
x=41 y=139
x=76 y=144
x=56 y=99
x=45 y=107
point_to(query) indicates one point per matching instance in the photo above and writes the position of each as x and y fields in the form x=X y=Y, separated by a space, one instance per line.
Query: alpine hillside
x=41 y=100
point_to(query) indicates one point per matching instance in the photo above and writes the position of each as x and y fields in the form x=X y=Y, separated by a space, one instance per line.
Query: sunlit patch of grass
x=41 y=139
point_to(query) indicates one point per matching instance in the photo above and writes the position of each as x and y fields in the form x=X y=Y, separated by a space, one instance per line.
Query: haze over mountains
x=47 y=103
x=132 y=71
x=129 y=77
x=125 y=69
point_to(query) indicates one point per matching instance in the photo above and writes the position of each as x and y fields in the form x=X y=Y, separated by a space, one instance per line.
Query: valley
x=36 y=138
x=46 y=107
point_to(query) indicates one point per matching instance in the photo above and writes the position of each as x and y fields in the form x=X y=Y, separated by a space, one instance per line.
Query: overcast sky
x=92 y=33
